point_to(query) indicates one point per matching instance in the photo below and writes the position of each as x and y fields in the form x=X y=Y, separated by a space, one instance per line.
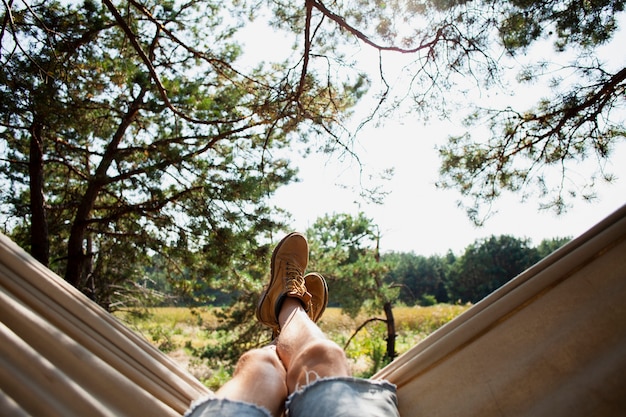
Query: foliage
x=132 y=128
x=343 y=250
x=536 y=151
x=481 y=48
x=547 y=246
x=487 y=264
x=484 y=266
x=418 y=277
x=240 y=332
x=128 y=130
x=428 y=300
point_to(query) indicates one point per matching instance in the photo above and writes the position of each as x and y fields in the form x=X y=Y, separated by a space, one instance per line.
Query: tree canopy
x=345 y=249
x=128 y=129
x=488 y=264
x=458 y=48
x=131 y=127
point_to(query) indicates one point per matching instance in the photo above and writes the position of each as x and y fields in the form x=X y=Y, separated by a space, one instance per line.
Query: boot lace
x=294 y=283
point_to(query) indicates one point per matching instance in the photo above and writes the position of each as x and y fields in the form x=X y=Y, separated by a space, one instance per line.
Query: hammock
x=550 y=342
x=63 y=355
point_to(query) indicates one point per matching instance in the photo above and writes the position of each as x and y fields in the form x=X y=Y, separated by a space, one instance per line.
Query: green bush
x=427 y=300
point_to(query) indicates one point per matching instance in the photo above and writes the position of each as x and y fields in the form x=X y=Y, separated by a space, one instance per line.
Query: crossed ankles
x=287 y=279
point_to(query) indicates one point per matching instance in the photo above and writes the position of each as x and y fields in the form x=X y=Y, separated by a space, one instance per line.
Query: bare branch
x=358 y=329
x=153 y=74
x=363 y=37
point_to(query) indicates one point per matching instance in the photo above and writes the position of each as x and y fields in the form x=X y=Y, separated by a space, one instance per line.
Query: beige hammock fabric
x=551 y=342
x=62 y=355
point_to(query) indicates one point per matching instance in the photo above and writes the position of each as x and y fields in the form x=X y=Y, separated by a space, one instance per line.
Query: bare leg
x=259 y=379
x=304 y=349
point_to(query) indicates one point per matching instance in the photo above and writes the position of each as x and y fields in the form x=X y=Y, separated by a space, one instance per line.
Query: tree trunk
x=391 y=331
x=76 y=251
x=391 y=323
x=77 y=254
x=39 y=243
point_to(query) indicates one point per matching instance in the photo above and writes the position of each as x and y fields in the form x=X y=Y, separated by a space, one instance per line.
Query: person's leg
x=305 y=351
x=259 y=379
x=317 y=369
x=318 y=375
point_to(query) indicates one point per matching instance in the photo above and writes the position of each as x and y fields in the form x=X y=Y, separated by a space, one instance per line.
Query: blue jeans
x=328 y=397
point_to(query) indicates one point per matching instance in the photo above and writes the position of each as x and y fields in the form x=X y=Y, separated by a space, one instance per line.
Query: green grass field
x=178 y=331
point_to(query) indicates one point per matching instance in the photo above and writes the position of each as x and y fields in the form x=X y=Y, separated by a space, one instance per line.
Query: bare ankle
x=290 y=307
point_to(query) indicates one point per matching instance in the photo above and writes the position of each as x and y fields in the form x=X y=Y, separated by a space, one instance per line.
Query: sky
x=416 y=216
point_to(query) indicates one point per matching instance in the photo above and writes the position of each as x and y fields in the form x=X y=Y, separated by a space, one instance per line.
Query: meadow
x=179 y=332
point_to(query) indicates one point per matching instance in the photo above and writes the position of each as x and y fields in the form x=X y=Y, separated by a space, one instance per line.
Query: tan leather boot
x=289 y=260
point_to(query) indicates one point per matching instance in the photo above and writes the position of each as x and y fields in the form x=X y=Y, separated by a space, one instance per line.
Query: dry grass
x=170 y=328
x=175 y=329
x=407 y=318
x=367 y=348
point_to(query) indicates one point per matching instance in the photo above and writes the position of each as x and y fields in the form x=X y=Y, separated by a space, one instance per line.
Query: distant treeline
x=483 y=266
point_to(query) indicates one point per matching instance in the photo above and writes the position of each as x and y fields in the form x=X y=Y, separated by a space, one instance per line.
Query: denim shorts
x=328 y=397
